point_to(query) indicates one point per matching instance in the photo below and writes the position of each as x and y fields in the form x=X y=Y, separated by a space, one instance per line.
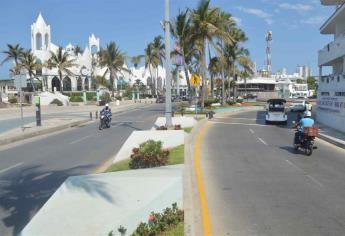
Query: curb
x=332 y=140
x=41 y=132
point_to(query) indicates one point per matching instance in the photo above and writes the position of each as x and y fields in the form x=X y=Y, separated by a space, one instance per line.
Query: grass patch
x=176 y=156
x=178 y=230
x=188 y=129
x=119 y=166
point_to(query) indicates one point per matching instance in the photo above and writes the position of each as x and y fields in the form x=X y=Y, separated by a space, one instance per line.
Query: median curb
x=337 y=142
x=41 y=132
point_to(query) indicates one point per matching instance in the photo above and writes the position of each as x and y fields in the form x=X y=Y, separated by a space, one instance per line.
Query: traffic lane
x=48 y=162
x=261 y=189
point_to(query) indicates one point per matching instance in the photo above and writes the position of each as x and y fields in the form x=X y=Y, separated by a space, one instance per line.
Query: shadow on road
x=25 y=191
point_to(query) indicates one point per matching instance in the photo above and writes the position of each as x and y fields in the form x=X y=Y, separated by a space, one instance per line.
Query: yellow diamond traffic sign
x=195 y=80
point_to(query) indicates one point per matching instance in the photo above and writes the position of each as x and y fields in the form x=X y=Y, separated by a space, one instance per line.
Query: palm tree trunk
x=203 y=74
x=112 y=83
x=157 y=82
x=61 y=82
x=32 y=83
x=152 y=81
x=187 y=77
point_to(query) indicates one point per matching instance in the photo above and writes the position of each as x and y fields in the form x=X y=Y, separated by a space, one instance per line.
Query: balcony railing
x=333 y=50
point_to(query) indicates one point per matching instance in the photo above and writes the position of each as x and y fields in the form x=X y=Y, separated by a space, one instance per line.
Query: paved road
x=31 y=172
x=257 y=185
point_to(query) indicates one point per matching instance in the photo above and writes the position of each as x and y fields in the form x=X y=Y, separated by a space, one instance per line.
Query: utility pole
x=168 y=108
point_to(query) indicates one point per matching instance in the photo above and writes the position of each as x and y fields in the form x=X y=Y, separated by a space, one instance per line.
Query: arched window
x=39 y=41
x=46 y=41
x=39 y=69
x=86 y=84
x=67 y=84
x=94 y=49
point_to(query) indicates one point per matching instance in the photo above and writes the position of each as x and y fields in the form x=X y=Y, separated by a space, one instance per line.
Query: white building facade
x=85 y=68
x=331 y=92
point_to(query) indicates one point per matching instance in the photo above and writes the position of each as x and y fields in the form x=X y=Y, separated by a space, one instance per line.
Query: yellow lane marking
x=206 y=221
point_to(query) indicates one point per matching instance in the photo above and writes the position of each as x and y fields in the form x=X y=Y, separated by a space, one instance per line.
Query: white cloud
x=259 y=13
x=315 y=20
x=296 y=7
x=238 y=20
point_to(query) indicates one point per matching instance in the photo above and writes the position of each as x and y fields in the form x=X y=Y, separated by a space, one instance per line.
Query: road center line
x=79 y=140
x=292 y=164
x=232 y=123
x=11 y=167
x=315 y=180
x=261 y=140
x=252 y=131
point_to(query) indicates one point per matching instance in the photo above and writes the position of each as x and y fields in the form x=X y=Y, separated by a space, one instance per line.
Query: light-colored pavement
x=97 y=204
x=31 y=171
x=257 y=185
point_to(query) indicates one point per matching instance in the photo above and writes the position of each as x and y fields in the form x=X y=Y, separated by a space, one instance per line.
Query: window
x=339 y=94
x=327 y=80
x=324 y=93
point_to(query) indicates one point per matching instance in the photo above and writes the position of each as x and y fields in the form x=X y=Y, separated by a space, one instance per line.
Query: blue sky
x=134 y=23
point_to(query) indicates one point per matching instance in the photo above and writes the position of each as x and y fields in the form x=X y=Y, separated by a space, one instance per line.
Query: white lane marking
x=315 y=180
x=232 y=123
x=79 y=140
x=292 y=164
x=239 y=118
x=252 y=131
x=261 y=140
x=11 y=167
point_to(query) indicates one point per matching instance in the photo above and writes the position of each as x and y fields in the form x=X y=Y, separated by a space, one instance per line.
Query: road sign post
x=37 y=101
x=20 y=82
x=195 y=80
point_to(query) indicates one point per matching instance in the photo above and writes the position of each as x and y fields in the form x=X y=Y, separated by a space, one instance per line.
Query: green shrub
x=239 y=100
x=13 y=100
x=149 y=154
x=159 y=223
x=182 y=107
x=230 y=102
x=105 y=97
x=57 y=102
x=91 y=96
x=208 y=102
x=76 y=99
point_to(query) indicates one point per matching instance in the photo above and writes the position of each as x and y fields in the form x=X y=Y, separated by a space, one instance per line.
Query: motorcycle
x=104 y=120
x=307 y=140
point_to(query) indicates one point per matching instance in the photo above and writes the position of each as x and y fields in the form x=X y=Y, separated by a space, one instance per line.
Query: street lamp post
x=168 y=109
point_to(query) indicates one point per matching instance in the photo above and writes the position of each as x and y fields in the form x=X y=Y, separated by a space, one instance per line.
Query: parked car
x=300 y=105
x=276 y=112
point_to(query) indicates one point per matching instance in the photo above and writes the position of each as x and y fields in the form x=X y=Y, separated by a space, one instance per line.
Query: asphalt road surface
x=32 y=171
x=257 y=185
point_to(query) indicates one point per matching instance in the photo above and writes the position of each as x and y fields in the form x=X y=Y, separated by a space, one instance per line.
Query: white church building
x=42 y=46
x=86 y=68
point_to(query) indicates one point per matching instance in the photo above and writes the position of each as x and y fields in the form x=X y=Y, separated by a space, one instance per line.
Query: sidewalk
x=331 y=135
x=52 y=123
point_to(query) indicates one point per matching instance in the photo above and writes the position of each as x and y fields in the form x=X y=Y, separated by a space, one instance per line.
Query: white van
x=275 y=111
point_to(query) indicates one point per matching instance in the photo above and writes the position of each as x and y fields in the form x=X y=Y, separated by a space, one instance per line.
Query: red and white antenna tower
x=269 y=53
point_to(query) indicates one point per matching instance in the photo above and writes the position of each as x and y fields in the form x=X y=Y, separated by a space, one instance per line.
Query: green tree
x=151 y=59
x=206 y=27
x=214 y=69
x=159 y=51
x=136 y=60
x=60 y=60
x=15 y=53
x=78 y=50
x=311 y=81
x=28 y=62
x=114 y=60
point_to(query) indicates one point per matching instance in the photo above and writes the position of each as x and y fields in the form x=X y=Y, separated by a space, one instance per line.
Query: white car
x=276 y=112
x=300 y=105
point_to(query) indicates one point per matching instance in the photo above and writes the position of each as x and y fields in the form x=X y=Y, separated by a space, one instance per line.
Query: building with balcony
x=331 y=92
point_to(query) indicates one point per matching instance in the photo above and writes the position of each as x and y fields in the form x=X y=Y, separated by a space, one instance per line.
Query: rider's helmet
x=307 y=114
x=107 y=106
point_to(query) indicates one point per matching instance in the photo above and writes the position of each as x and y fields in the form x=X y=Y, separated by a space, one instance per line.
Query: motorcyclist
x=107 y=112
x=307 y=121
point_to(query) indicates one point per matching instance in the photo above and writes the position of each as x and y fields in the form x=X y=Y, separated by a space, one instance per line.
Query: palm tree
x=15 y=53
x=136 y=60
x=182 y=32
x=28 y=62
x=114 y=60
x=214 y=69
x=150 y=60
x=60 y=60
x=78 y=50
x=206 y=27
x=159 y=51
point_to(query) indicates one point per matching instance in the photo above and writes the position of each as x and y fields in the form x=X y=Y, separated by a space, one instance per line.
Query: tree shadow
x=126 y=124
x=27 y=189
